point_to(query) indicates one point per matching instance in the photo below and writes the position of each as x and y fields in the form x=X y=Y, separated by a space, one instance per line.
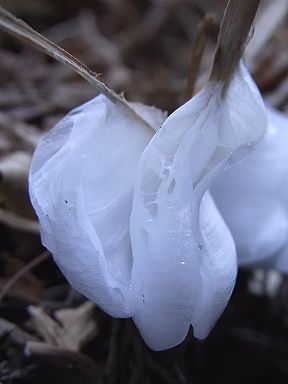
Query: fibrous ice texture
x=81 y=186
x=253 y=199
x=176 y=264
x=184 y=261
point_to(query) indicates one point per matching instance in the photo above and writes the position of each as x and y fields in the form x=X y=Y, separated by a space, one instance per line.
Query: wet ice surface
x=253 y=199
x=81 y=186
x=176 y=264
x=184 y=260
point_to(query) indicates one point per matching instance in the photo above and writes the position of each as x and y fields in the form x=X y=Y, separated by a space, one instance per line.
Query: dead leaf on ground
x=75 y=328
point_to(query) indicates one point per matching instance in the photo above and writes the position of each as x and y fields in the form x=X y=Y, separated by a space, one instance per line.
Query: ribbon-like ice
x=253 y=199
x=184 y=262
x=176 y=264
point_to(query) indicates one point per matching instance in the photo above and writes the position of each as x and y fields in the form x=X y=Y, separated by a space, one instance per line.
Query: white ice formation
x=253 y=199
x=81 y=186
x=184 y=262
x=176 y=264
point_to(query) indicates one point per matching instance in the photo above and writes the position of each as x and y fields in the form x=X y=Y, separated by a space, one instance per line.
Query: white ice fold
x=184 y=260
x=253 y=199
x=183 y=266
x=81 y=186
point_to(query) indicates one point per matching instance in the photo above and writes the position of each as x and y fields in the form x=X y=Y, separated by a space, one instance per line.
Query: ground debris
x=48 y=332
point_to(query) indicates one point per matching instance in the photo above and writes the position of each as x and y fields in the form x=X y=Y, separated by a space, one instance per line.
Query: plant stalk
x=197 y=53
x=232 y=38
x=18 y=28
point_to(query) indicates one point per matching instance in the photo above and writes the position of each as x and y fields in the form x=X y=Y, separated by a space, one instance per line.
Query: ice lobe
x=253 y=199
x=184 y=260
x=182 y=266
x=81 y=186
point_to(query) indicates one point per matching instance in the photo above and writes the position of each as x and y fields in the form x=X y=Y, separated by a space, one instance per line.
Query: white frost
x=81 y=186
x=253 y=199
x=184 y=261
x=183 y=266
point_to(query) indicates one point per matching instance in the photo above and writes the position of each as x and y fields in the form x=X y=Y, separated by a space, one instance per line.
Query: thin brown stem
x=18 y=223
x=234 y=29
x=63 y=357
x=22 y=272
x=197 y=53
x=18 y=28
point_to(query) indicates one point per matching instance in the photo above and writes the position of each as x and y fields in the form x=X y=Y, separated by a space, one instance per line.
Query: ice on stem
x=184 y=261
x=183 y=266
x=253 y=199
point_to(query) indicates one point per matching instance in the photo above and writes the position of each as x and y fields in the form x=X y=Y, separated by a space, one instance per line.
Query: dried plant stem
x=266 y=23
x=17 y=336
x=19 y=223
x=63 y=357
x=18 y=28
x=22 y=272
x=197 y=53
x=234 y=29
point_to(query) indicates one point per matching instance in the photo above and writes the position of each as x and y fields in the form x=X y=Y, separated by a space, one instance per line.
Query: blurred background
x=48 y=332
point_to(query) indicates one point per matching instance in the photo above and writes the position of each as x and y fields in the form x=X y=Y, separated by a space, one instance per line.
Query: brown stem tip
x=234 y=29
x=197 y=52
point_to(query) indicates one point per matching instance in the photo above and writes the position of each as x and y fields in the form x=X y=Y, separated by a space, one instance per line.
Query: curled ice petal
x=81 y=185
x=184 y=261
x=253 y=199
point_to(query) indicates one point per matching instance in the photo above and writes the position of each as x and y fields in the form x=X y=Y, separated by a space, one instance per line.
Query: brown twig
x=49 y=330
x=16 y=334
x=197 y=53
x=234 y=29
x=18 y=223
x=18 y=28
x=279 y=96
x=26 y=135
x=65 y=358
x=22 y=272
x=267 y=21
x=147 y=28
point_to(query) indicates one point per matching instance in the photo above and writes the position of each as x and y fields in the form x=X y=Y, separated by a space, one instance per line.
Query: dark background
x=142 y=48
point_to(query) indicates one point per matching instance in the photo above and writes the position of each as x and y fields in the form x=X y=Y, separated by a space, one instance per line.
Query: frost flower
x=253 y=198
x=81 y=186
x=182 y=266
x=184 y=261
